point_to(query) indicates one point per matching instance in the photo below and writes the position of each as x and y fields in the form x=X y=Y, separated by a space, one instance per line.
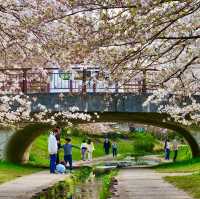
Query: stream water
x=126 y=163
x=92 y=186
x=90 y=189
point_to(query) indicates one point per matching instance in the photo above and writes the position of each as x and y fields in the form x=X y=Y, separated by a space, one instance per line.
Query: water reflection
x=90 y=189
x=87 y=190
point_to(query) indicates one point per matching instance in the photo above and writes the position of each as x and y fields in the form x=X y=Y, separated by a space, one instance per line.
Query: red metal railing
x=32 y=82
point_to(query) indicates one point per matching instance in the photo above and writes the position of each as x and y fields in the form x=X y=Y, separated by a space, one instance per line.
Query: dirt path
x=26 y=186
x=145 y=184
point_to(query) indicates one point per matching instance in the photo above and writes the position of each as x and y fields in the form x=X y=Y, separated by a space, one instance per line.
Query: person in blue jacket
x=68 y=152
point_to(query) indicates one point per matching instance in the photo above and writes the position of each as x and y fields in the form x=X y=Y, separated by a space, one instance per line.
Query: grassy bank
x=184 y=163
x=184 y=153
x=39 y=154
x=192 y=165
x=9 y=171
x=190 y=184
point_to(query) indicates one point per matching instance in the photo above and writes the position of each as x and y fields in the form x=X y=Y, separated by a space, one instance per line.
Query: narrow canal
x=89 y=183
x=83 y=184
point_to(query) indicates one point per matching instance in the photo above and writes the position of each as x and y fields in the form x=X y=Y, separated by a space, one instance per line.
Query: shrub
x=144 y=143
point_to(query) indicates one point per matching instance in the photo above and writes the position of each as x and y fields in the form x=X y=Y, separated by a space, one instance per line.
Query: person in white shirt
x=52 y=149
x=90 y=149
x=83 y=150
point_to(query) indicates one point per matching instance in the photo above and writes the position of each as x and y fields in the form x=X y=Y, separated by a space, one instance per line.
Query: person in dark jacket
x=57 y=132
x=68 y=152
x=107 y=146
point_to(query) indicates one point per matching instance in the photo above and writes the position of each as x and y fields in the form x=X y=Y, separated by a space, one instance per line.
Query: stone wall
x=94 y=102
x=196 y=134
x=5 y=135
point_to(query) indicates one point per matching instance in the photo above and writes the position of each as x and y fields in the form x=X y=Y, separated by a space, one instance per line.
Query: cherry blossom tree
x=123 y=37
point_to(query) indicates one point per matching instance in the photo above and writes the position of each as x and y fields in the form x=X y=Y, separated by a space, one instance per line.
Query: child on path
x=114 y=149
x=83 y=150
x=68 y=152
x=90 y=149
x=60 y=168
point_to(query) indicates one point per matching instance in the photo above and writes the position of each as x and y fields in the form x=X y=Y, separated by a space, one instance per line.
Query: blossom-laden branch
x=135 y=35
x=19 y=109
x=183 y=37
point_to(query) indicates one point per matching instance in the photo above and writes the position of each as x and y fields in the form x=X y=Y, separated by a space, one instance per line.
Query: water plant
x=66 y=188
x=107 y=181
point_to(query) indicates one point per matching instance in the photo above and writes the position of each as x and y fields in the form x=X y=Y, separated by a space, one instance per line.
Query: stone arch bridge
x=110 y=107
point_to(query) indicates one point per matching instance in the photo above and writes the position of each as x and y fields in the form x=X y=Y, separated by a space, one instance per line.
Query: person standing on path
x=175 y=149
x=90 y=149
x=68 y=152
x=83 y=150
x=165 y=144
x=114 y=149
x=167 y=150
x=107 y=146
x=52 y=149
x=57 y=132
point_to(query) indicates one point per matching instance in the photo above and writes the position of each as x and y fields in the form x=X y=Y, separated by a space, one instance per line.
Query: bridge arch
x=17 y=149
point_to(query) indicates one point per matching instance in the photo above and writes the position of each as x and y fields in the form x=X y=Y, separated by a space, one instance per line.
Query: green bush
x=144 y=143
x=82 y=174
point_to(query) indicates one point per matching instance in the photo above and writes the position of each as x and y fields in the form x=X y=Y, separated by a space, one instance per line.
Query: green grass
x=184 y=163
x=189 y=183
x=184 y=153
x=39 y=153
x=9 y=171
x=192 y=165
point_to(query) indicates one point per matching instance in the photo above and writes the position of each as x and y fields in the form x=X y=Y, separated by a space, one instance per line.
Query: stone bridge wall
x=97 y=102
x=5 y=135
x=94 y=102
x=111 y=107
x=196 y=134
